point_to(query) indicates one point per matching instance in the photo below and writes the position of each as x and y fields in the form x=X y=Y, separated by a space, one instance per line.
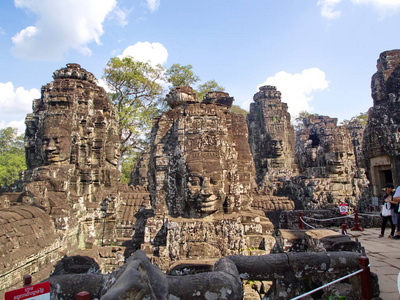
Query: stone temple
x=72 y=148
x=201 y=180
x=207 y=194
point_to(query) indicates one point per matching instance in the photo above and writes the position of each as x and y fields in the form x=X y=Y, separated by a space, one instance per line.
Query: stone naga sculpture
x=292 y=274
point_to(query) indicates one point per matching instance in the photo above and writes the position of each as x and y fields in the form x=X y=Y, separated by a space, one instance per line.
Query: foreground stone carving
x=291 y=273
x=381 y=138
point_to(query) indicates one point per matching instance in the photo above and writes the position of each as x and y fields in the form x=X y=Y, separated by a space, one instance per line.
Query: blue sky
x=320 y=54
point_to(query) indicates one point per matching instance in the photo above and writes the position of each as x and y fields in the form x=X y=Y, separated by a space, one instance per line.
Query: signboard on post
x=40 y=291
x=344 y=209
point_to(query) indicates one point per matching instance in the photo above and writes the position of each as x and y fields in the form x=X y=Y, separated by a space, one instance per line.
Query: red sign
x=344 y=209
x=40 y=291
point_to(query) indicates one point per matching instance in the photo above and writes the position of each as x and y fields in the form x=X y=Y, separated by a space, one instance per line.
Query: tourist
x=396 y=200
x=387 y=211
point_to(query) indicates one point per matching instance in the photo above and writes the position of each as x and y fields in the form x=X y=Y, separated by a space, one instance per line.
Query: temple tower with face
x=327 y=164
x=271 y=135
x=72 y=147
x=201 y=180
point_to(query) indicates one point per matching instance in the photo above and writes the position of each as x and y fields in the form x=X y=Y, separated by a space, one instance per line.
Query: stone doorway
x=381 y=173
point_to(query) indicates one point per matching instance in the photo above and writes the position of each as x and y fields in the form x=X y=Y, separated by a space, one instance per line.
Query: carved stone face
x=334 y=162
x=56 y=145
x=276 y=148
x=112 y=153
x=205 y=192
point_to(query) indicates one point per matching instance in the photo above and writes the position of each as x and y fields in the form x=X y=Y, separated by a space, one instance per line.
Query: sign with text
x=344 y=209
x=40 y=291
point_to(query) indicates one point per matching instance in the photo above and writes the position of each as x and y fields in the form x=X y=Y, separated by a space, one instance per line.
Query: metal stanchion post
x=356 y=226
x=301 y=224
x=366 y=282
x=344 y=228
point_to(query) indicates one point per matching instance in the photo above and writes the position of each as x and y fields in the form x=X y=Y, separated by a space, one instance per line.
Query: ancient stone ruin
x=381 y=137
x=199 y=196
x=271 y=141
x=200 y=178
x=271 y=135
x=329 y=175
x=72 y=148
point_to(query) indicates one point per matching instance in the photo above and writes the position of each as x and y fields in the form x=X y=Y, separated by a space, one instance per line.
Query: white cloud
x=155 y=53
x=60 y=26
x=101 y=82
x=153 y=4
x=327 y=9
x=120 y=15
x=383 y=7
x=297 y=89
x=15 y=104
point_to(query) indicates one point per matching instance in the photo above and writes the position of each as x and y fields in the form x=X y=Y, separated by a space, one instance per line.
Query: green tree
x=362 y=118
x=179 y=75
x=238 y=110
x=135 y=92
x=298 y=120
x=208 y=86
x=128 y=164
x=12 y=155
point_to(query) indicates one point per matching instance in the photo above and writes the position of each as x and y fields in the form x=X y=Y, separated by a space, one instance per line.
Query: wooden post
x=356 y=226
x=83 y=296
x=366 y=282
x=301 y=223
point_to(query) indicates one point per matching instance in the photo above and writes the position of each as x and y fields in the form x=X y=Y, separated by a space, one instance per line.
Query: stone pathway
x=384 y=259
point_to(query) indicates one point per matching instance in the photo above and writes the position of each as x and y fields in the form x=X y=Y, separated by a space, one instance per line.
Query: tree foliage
x=238 y=110
x=178 y=75
x=362 y=118
x=12 y=155
x=298 y=120
x=208 y=86
x=136 y=91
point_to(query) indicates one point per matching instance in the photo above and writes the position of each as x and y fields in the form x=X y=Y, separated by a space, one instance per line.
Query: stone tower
x=72 y=144
x=201 y=179
x=72 y=148
x=381 y=144
x=271 y=136
x=326 y=160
